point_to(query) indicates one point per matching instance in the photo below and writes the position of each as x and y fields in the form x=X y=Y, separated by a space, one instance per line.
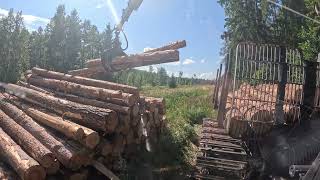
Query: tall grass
x=186 y=106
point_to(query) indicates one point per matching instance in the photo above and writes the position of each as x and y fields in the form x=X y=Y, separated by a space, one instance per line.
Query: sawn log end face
x=35 y=173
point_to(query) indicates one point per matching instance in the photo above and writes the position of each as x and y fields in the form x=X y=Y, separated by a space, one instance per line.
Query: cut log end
x=92 y=140
x=35 y=173
x=54 y=168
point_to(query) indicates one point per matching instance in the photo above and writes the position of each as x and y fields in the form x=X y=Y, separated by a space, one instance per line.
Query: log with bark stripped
x=92 y=117
x=29 y=143
x=26 y=167
x=85 y=81
x=113 y=96
x=126 y=62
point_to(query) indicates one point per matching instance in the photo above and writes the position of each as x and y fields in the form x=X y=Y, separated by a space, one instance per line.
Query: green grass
x=186 y=106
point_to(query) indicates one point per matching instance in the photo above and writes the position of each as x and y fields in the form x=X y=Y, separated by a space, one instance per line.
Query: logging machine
x=109 y=54
x=268 y=101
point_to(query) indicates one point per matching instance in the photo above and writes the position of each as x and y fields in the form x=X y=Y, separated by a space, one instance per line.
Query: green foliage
x=14 y=54
x=173 y=82
x=262 y=22
x=140 y=78
x=186 y=106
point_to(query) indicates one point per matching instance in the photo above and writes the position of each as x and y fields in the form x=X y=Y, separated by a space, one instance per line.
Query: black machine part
x=109 y=54
x=297 y=144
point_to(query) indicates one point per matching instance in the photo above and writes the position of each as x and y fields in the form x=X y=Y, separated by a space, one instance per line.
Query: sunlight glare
x=113 y=11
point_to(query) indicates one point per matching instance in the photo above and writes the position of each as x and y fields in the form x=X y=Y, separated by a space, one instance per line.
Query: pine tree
x=14 y=56
x=172 y=82
x=73 y=41
x=56 y=30
x=90 y=43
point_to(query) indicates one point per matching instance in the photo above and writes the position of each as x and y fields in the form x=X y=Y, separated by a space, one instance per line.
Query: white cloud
x=188 y=61
x=208 y=75
x=147 y=49
x=202 y=61
x=31 y=21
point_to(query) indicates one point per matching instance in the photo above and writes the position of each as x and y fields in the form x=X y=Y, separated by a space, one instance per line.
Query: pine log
x=26 y=167
x=106 y=95
x=158 y=102
x=81 y=174
x=118 y=145
x=29 y=143
x=105 y=147
x=92 y=117
x=85 y=81
x=65 y=154
x=6 y=173
x=91 y=138
x=100 y=167
x=68 y=128
x=126 y=62
x=82 y=155
x=171 y=46
x=78 y=99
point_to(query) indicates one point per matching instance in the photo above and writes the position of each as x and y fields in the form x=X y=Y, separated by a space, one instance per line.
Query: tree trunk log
x=65 y=155
x=91 y=138
x=26 y=167
x=29 y=143
x=85 y=81
x=158 y=102
x=171 y=46
x=95 y=118
x=106 y=95
x=68 y=128
x=6 y=173
x=126 y=62
x=78 y=99
x=82 y=156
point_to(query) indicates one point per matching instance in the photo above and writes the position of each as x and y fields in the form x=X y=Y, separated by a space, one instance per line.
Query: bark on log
x=105 y=148
x=6 y=173
x=68 y=128
x=106 y=95
x=29 y=143
x=85 y=81
x=91 y=138
x=171 y=46
x=64 y=154
x=26 y=167
x=126 y=62
x=82 y=156
x=158 y=102
x=92 y=117
x=78 y=99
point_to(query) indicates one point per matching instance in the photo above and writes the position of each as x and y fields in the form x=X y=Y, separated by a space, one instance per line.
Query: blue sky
x=157 y=22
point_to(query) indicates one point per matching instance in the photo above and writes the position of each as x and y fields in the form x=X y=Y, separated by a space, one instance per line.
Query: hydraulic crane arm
x=133 y=5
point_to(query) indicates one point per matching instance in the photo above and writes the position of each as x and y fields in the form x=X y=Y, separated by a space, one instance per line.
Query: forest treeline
x=156 y=77
x=260 y=21
x=65 y=44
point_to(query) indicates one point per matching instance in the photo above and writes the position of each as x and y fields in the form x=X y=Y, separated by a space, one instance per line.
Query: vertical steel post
x=224 y=92
x=217 y=89
x=309 y=90
x=283 y=70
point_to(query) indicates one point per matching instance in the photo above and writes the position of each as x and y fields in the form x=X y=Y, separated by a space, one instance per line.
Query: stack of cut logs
x=66 y=126
x=257 y=104
x=56 y=123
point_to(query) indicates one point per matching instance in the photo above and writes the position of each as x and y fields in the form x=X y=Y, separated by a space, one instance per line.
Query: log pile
x=255 y=106
x=166 y=54
x=57 y=125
